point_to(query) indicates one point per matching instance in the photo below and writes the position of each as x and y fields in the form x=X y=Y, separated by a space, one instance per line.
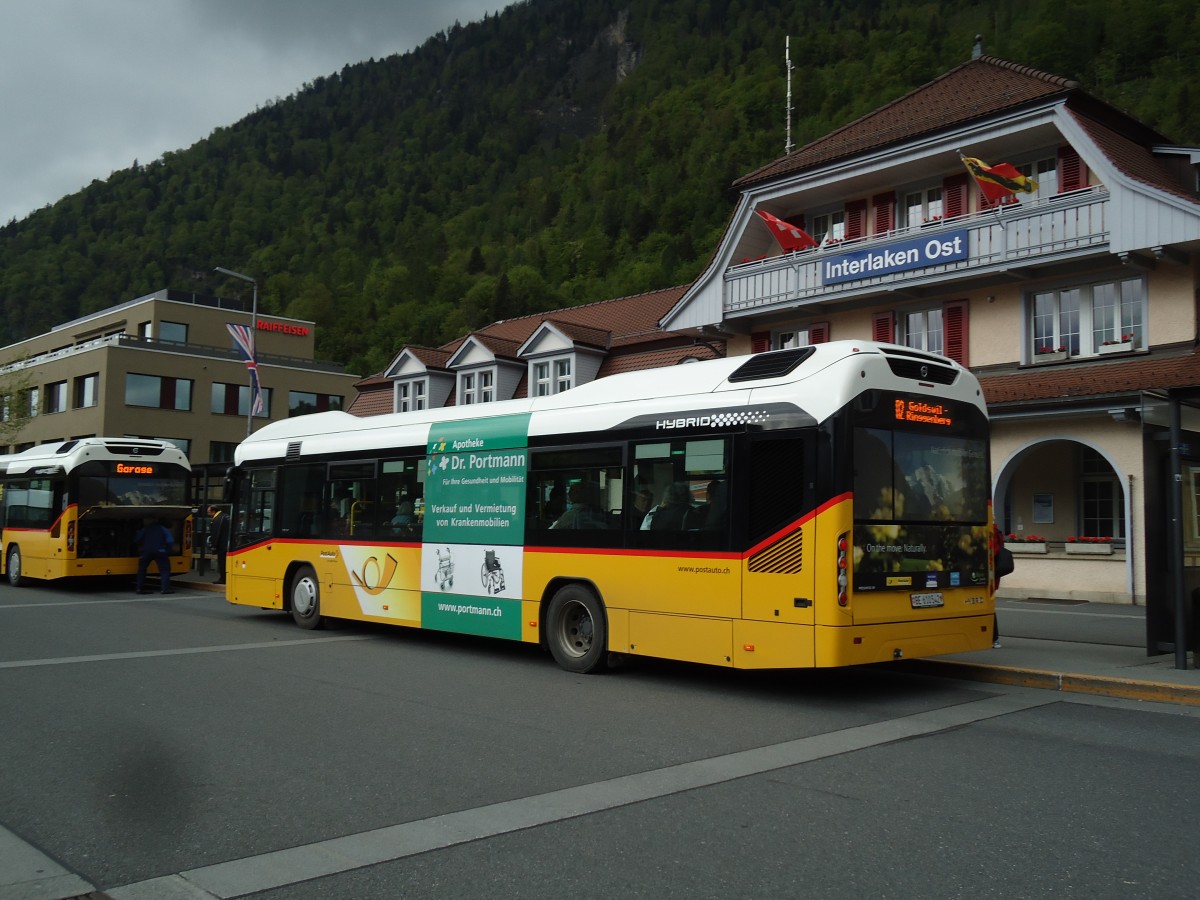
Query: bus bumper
x=862 y=644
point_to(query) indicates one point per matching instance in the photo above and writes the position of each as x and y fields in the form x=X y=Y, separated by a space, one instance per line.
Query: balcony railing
x=1053 y=228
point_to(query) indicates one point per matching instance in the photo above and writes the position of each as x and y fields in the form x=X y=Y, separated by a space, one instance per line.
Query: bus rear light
x=843 y=565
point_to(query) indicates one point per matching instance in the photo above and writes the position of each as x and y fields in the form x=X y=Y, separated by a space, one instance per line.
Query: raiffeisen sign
x=282 y=328
x=915 y=253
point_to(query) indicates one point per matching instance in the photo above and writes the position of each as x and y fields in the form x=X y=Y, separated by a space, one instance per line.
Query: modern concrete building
x=165 y=366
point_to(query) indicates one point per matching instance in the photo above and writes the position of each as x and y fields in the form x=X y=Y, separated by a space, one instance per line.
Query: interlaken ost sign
x=915 y=253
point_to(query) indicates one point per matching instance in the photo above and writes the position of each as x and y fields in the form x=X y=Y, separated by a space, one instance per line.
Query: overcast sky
x=88 y=86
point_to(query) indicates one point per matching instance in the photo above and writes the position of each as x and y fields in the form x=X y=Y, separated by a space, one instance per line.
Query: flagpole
x=253 y=344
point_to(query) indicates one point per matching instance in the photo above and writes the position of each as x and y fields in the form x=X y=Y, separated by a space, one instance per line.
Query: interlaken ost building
x=1074 y=300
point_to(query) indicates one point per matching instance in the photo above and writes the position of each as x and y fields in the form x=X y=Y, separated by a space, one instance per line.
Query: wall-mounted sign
x=915 y=253
x=282 y=328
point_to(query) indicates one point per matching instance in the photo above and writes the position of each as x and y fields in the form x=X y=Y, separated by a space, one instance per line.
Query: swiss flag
x=789 y=236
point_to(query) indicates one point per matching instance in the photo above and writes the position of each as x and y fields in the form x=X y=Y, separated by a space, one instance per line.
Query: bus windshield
x=120 y=484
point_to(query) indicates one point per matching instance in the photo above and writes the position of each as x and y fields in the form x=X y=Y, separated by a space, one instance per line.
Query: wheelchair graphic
x=445 y=570
x=491 y=574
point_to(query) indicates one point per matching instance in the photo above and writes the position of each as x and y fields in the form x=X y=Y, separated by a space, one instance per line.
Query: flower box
x=1121 y=347
x=1052 y=356
x=1097 y=549
x=1026 y=547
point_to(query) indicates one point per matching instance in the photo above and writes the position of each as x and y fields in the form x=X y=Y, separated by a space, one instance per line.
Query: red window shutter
x=885 y=212
x=819 y=333
x=1072 y=171
x=856 y=220
x=954 y=196
x=760 y=341
x=954 y=331
x=883 y=327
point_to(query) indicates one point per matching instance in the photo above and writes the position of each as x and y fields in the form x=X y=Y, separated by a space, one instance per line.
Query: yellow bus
x=817 y=506
x=72 y=508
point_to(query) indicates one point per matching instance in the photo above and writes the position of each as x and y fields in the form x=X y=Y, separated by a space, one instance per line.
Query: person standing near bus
x=155 y=542
x=218 y=536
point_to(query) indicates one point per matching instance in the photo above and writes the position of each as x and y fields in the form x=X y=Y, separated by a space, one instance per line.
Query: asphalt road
x=162 y=747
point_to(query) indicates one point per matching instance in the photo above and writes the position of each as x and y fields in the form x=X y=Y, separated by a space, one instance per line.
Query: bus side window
x=574 y=497
x=777 y=484
x=679 y=495
x=255 y=511
x=299 y=499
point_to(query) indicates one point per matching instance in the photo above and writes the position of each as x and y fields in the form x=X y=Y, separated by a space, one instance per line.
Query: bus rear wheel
x=13 y=569
x=577 y=630
x=306 y=599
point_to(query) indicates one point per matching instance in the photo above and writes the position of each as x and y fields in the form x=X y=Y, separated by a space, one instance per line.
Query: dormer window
x=552 y=376
x=477 y=387
x=411 y=395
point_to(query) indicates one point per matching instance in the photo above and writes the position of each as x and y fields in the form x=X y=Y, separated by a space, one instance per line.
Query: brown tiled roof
x=373 y=399
x=432 y=358
x=583 y=334
x=976 y=89
x=1132 y=158
x=651 y=359
x=1072 y=382
x=501 y=347
x=630 y=319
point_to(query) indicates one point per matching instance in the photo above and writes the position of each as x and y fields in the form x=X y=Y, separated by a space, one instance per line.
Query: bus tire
x=13 y=567
x=578 y=630
x=305 y=593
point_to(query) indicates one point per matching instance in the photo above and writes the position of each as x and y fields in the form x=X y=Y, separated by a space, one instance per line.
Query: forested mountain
x=559 y=152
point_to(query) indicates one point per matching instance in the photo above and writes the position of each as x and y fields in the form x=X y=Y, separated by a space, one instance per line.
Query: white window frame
x=795 y=337
x=921 y=329
x=830 y=225
x=477 y=386
x=410 y=395
x=1080 y=319
x=1045 y=173
x=923 y=206
x=552 y=376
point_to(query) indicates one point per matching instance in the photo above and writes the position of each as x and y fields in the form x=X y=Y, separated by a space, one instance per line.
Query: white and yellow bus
x=73 y=508
x=818 y=506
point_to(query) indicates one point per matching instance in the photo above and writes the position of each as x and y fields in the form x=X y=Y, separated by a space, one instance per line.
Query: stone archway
x=1068 y=492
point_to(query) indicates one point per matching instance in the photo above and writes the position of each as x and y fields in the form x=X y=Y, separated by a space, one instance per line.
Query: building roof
x=977 y=89
x=1079 y=382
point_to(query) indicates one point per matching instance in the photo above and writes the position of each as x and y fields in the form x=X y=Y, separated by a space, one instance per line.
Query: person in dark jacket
x=154 y=541
x=218 y=536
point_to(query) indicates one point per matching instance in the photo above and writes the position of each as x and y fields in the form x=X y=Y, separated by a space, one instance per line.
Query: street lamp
x=253 y=333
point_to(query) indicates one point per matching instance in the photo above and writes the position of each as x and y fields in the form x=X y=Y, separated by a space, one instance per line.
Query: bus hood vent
x=920 y=367
x=293 y=450
x=773 y=364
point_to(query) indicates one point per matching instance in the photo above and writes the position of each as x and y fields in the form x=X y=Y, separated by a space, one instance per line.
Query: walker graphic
x=474 y=527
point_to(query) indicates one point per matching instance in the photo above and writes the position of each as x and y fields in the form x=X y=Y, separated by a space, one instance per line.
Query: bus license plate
x=925 y=601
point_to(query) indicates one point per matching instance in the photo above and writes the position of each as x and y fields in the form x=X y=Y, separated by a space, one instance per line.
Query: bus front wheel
x=578 y=631
x=14 y=566
x=306 y=598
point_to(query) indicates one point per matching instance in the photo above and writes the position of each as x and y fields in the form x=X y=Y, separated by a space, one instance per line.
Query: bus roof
x=818 y=380
x=69 y=454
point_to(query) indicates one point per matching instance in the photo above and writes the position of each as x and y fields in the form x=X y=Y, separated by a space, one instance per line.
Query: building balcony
x=985 y=246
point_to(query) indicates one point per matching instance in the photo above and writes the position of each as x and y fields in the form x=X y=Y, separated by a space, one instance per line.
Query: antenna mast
x=787 y=64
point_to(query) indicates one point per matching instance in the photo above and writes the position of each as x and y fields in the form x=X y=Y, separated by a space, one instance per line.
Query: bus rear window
x=903 y=476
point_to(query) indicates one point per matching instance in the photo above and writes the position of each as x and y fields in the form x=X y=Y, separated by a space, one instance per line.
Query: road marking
x=50 y=604
x=183 y=651
x=281 y=868
x=29 y=874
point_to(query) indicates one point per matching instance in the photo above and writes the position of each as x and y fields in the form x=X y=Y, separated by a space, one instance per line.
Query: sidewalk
x=1086 y=648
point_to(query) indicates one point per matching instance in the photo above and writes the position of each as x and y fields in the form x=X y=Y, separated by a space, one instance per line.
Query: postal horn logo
x=374 y=579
